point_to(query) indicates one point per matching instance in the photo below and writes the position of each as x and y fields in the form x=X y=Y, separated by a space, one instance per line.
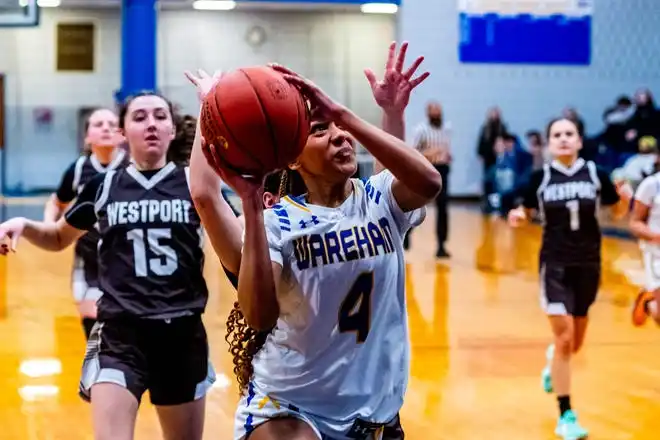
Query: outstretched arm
x=416 y=180
x=56 y=236
x=222 y=227
x=392 y=93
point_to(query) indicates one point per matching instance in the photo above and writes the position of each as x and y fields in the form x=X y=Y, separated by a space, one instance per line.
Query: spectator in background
x=616 y=121
x=645 y=121
x=640 y=165
x=512 y=168
x=433 y=139
x=537 y=149
x=492 y=128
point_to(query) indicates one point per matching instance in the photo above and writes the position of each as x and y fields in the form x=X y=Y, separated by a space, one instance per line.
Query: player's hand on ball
x=10 y=232
x=202 y=81
x=321 y=102
x=392 y=94
x=243 y=186
x=517 y=217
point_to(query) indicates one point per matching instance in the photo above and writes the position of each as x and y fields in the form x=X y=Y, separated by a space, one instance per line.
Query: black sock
x=564 y=404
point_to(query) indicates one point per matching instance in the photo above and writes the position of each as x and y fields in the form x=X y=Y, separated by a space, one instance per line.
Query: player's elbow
x=259 y=315
x=201 y=195
x=431 y=185
x=261 y=320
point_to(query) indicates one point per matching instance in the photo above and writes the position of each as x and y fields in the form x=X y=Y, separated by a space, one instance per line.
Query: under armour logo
x=303 y=224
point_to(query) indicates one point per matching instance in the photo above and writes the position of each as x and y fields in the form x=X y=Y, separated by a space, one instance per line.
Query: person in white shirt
x=433 y=139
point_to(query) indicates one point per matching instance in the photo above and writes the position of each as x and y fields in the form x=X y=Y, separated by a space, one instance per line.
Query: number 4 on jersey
x=355 y=310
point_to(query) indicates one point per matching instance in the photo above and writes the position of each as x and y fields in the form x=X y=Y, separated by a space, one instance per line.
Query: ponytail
x=181 y=147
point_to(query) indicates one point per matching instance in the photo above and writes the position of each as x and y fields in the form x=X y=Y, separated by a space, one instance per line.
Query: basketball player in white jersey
x=325 y=271
x=645 y=225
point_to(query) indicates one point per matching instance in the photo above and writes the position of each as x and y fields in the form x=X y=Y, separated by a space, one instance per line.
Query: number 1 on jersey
x=355 y=310
x=574 y=211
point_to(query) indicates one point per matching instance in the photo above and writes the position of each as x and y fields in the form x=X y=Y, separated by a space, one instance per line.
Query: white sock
x=652 y=307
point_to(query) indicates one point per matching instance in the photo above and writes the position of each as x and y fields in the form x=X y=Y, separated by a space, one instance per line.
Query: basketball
x=256 y=120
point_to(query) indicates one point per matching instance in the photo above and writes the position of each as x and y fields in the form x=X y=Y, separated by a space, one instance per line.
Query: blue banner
x=541 y=32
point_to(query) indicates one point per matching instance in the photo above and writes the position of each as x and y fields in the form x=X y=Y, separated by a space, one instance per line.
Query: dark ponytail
x=181 y=146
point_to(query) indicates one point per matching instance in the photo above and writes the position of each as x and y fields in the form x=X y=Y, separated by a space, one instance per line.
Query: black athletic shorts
x=168 y=357
x=569 y=290
x=88 y=325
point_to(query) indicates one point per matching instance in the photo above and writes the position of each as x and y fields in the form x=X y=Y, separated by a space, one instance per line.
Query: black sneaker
x=442 y=253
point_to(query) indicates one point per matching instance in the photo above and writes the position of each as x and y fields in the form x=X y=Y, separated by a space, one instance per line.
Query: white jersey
x=340 y=349
x=648 y=193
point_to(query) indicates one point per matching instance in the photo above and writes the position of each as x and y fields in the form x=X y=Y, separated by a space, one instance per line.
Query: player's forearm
x=223 y=229
x=620 y=209
x=53 y=209
x=257 y=295
x=641 y=230
x=394 y=124
x=220 y=223
x=44 y=235
x=204 y=182
x=405 y=163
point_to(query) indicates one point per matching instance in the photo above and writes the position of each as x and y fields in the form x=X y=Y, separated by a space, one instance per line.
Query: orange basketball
x=256 y=120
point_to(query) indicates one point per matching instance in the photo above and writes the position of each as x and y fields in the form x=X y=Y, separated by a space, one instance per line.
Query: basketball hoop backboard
x=19 y=13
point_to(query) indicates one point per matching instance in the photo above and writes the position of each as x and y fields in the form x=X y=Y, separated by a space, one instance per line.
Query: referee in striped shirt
x=432 y=139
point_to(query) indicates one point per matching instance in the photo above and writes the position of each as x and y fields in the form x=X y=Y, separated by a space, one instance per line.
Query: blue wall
x=625 y=55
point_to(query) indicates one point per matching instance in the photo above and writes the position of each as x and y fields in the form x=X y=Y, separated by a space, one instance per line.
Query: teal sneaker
x=546 y=374
x=568 y=427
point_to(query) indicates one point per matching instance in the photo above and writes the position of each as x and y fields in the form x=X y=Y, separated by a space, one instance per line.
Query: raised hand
x=320 y=101
x=244 y=186
x=202 y=81
x=392 y=93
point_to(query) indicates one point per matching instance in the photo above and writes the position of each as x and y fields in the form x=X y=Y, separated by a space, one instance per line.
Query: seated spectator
x=616 y=120
x=512 y=165
x=492 y=128
x=645 y=121
x=537 y=149
x=640 y=165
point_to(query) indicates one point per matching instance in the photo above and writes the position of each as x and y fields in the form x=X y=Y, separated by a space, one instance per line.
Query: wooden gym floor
x=477 y=332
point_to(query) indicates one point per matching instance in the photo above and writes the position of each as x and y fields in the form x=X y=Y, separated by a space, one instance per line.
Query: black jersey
x=151 y=254
x=74 y=180
x=568 y=200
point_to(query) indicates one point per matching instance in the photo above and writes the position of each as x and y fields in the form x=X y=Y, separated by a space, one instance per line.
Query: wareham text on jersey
x=149 y=211
x=353 y=243
x=569 y=191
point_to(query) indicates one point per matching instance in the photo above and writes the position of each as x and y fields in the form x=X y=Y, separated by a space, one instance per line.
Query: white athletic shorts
x=651 y=268
x=256 y=408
